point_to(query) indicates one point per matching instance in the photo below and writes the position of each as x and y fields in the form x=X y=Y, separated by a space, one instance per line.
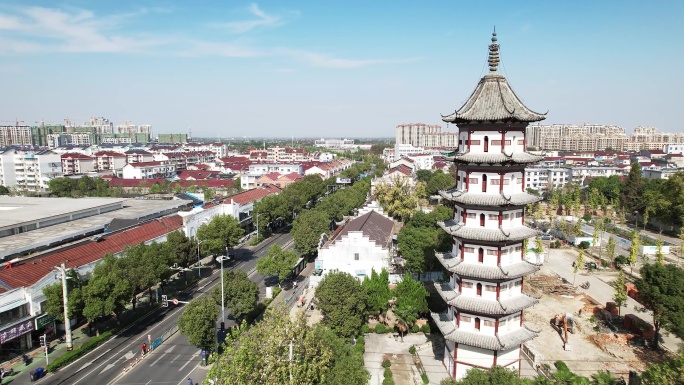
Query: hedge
x=77 y=353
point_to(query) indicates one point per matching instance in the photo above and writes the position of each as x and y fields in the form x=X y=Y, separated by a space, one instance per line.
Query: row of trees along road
x=115 y=281
x=223 y=233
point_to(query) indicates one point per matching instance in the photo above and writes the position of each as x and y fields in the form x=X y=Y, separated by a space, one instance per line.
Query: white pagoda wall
x=514 y=182
x=514 y=141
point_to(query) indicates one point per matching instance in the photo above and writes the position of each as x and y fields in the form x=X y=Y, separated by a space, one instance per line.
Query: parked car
x=547 y=237
x=590 y=265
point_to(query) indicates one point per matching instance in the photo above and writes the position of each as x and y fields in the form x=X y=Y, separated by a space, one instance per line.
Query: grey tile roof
x=461 y=231
x=477 y=339
x=374 y=225
x=494 y=158
x=484 y=306
x=483 y=199
x=485 y=272
x=492 y=100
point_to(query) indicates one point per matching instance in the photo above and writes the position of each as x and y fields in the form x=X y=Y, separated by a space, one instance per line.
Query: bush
x=620 y=261
x=425 y=379
x=561 y=366
x=425 y=328
x=556 y=244
x=365 y=329
x=412 y=349
x=415 y=329
x=604 y=263
x=386 y=363
x=586 y=217
x=276 y=291
x=584 y=245
x=82 y=350
x=380 y=329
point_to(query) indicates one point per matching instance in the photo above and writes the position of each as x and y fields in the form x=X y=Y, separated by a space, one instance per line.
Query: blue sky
x=334 y=69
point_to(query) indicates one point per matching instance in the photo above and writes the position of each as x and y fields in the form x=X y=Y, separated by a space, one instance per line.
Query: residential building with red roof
x=110 y=160
x=75 y=164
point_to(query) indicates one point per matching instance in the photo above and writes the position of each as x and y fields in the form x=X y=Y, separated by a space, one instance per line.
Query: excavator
x=563 y=323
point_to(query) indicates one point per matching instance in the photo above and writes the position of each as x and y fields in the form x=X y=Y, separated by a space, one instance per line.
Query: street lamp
x=199 y=264
x=222 y=258
x=67 y=321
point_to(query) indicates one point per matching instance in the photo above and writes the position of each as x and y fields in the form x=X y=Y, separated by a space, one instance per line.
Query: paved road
x=105 y=364
x=560 y=261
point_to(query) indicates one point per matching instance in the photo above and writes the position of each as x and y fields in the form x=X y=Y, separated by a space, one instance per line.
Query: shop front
x=16 y=338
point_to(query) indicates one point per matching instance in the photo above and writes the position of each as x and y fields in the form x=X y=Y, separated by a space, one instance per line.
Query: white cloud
x=262 y=20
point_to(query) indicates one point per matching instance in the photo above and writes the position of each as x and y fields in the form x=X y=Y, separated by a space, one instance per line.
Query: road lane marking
x=186 y=364
x=177 y=357
x=169 y=350
x=188 y=376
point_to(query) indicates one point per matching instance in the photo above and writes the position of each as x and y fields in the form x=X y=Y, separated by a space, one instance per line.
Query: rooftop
x=375 y=226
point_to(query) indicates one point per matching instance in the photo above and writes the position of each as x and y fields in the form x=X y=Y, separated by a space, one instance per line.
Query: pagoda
x=483 y=325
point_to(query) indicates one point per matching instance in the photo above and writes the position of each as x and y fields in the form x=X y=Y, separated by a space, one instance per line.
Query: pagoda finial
x=493 y=53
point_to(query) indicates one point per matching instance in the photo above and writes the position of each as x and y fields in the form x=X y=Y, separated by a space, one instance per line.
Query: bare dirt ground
x=593 y=347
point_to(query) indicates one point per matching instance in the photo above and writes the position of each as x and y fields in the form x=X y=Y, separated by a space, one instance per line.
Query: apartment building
x=567 y=137
x=138 y=155
x=540 y=178
x=412 y=133
x=75 y=164
x=335 y=144
x=286 y=155
x=34 y=170
x=110 y=160
x=219 y=149
x=439 y=139
x=148 y=170
x=15 y=136
x=8 y=177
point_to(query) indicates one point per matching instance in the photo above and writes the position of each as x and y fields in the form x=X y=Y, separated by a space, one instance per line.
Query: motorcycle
x=585 y=285
x=5 y=373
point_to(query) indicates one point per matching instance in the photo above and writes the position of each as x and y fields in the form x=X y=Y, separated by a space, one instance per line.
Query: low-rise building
x=148 y=170
x=358 y=247
x=75 y=164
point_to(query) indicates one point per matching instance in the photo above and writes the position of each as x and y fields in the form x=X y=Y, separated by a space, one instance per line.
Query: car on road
x=547 y=237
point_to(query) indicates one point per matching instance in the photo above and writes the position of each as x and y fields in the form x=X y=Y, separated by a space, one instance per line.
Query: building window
x=495 y=182
x=482 y=220
x=477 y=323
x=518 y=248
x=517 y=283
x=484 y=183
x=474 y=142
x=505 y=216
x=356 y=256
x=521 y=141
x=472 y=180
x=519 y=214
x=480 y=255
x=507 y=182
x=490 y=288
x=496 y=143
x=467 y=285
x=465 y=319
x=478 y=290
x=490 y=324
x=492 y=252
x=508 y=143
x=486 y=144
x=472 y=215
x=493 y=217
x=468 y=249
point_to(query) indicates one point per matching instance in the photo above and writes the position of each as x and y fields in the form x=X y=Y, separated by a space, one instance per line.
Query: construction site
x=588 y=336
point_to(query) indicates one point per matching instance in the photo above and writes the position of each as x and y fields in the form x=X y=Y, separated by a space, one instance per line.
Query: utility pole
x=67 y=321
x=221 y=258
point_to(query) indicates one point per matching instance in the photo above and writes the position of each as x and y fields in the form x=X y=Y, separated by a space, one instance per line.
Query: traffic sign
x=175 y=301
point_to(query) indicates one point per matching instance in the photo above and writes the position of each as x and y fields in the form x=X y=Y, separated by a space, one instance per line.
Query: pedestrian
x=189 y=381
x=144 y=348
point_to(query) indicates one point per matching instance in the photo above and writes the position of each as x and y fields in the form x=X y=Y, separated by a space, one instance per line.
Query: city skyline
x=352 y=69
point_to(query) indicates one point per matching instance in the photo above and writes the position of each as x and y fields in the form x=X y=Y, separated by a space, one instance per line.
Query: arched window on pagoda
x=486 y=144
x=477 y=323
x=482 y=220
x=478 y=290
x=484 y=182
x=480 y=255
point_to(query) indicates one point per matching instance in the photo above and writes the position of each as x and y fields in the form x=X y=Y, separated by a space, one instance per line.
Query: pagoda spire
x=493 y=53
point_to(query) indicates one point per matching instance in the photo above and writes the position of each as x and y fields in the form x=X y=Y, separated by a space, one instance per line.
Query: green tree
x=659 y=256
x=610 y=248
x=620 y=291
x=183 y=248
x=417 y=247
x=307 y=229
x=261 y=354
x=538 y=245
x=578 y=265
x=631 y=191
x=423 y=175
x=198 y=322
x=106 y=293
x=342 y=300
x=378 y=291
x=4 y=190
x=495 y=376
x=222 y=233
x=439 y=181
x=665 y=373
x=54 y=299
x=412 y=293
x=277 y=263
x=405 y=315
x=661 y=290
x=399 y=198
x=241 y=294
x=634 y=250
